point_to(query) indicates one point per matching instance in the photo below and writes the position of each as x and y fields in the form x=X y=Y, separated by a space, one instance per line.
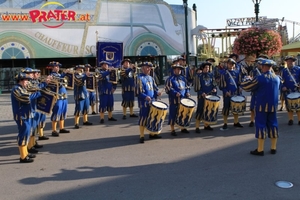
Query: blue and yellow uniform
x=229 y=84
x=127 y=76
x=23 y=113
x=59 y=111
x=81 y=96
x=204 y=84
x=291 y=79
x=146 y=90
x=177 y=87
x=253 y=73
x=266 y=88
x=92 y=93
x=106 y=92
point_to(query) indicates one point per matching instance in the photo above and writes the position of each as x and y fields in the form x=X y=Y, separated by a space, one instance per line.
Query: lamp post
x=187 y=52
x=256 y=9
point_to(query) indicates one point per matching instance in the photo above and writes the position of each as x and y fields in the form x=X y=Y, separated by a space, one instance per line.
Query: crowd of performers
x=262 y=77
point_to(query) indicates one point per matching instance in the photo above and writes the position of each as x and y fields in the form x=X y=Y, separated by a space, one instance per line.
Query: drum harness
x=291 y=75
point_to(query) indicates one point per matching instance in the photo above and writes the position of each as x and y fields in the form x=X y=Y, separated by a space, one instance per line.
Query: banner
x=111 y=52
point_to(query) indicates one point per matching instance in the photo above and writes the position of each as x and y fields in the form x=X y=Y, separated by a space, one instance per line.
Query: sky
x=213 y=13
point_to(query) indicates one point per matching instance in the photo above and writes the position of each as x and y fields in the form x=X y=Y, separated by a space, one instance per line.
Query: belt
x=62 y=96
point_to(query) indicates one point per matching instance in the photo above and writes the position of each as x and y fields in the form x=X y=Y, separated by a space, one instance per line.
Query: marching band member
x=255 y=72
x=229 y=84
x=23 y=113
x=33 y=86
x=146 y=91
x=127 y=77
x=81 y=96
x=106 y=92
x=92 y=94
x=266 y=88
x=291 y=78
x=177 y=88
x=59 y=111
x=204 y=84
x=282 y=100
x=235 y=57
x=186 y=71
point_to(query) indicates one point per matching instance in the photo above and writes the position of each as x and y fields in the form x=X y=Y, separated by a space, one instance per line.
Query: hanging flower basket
x=255 y=41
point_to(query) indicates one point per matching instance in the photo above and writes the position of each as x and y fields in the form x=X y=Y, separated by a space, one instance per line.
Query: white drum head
x=160 y=104
x=238 y=99
x=188 y=102
x=213 y=98
x=294 y=95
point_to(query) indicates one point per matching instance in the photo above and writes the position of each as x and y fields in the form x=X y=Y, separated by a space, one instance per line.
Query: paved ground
x=107 y=162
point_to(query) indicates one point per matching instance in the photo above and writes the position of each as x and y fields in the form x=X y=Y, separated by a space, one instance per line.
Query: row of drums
x=158 y=110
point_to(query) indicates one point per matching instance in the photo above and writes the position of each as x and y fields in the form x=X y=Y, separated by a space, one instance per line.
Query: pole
x=96 y=79
x=187 y=52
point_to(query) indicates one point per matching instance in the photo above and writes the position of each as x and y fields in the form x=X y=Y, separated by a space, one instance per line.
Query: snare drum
x=238 y=105
x=293 y=101
x=210 y=110
x=156 y=117
x=185 y=112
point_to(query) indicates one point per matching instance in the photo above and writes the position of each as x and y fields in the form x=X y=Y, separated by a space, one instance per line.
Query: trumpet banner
x=45 y=102
x=90 y=83
x=70 y=80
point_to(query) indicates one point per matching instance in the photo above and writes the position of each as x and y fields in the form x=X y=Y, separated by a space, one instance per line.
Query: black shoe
x=238 y=125
x=208 y=128
x=37 y=146
x=93 y=113
x=32 y=150
x=173 y=133
x=26 y=160
x=133 y=115
x=156 y=136
x=31 y=155
x=43 y=138
x=101 y=121
x=255 y=152
x=142 y=140
x=299 y=123
x=64 y=131
x=124 y=117
x=224 y=127
x=280 y=109
x=112 y=119
x=273 y=151
x=55 y=133
x=184 y=131
x=251 y=124
x=76 y=126
x=197 y=130
x=290 y=122
x=87 y=123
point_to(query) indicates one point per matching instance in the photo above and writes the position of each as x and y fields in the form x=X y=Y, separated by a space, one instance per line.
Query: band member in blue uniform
x=186 y=71
x=127 y=77
x=33 y=86
x=92 y=94
x=204 y=84
x=235 y=57
x=176 y=87
x=266 y=88
x=59 y=111
x=146 y=91
x=229 y=84
x=291 y=79
x=81 y=96
x=106 y=92
x=255 y=72
x=23 y=113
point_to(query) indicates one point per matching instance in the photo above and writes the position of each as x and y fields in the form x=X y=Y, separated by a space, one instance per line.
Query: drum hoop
x=188 y=106
x=218 y=98
x=159 y=107
x=294 y=93
x=244 y=98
